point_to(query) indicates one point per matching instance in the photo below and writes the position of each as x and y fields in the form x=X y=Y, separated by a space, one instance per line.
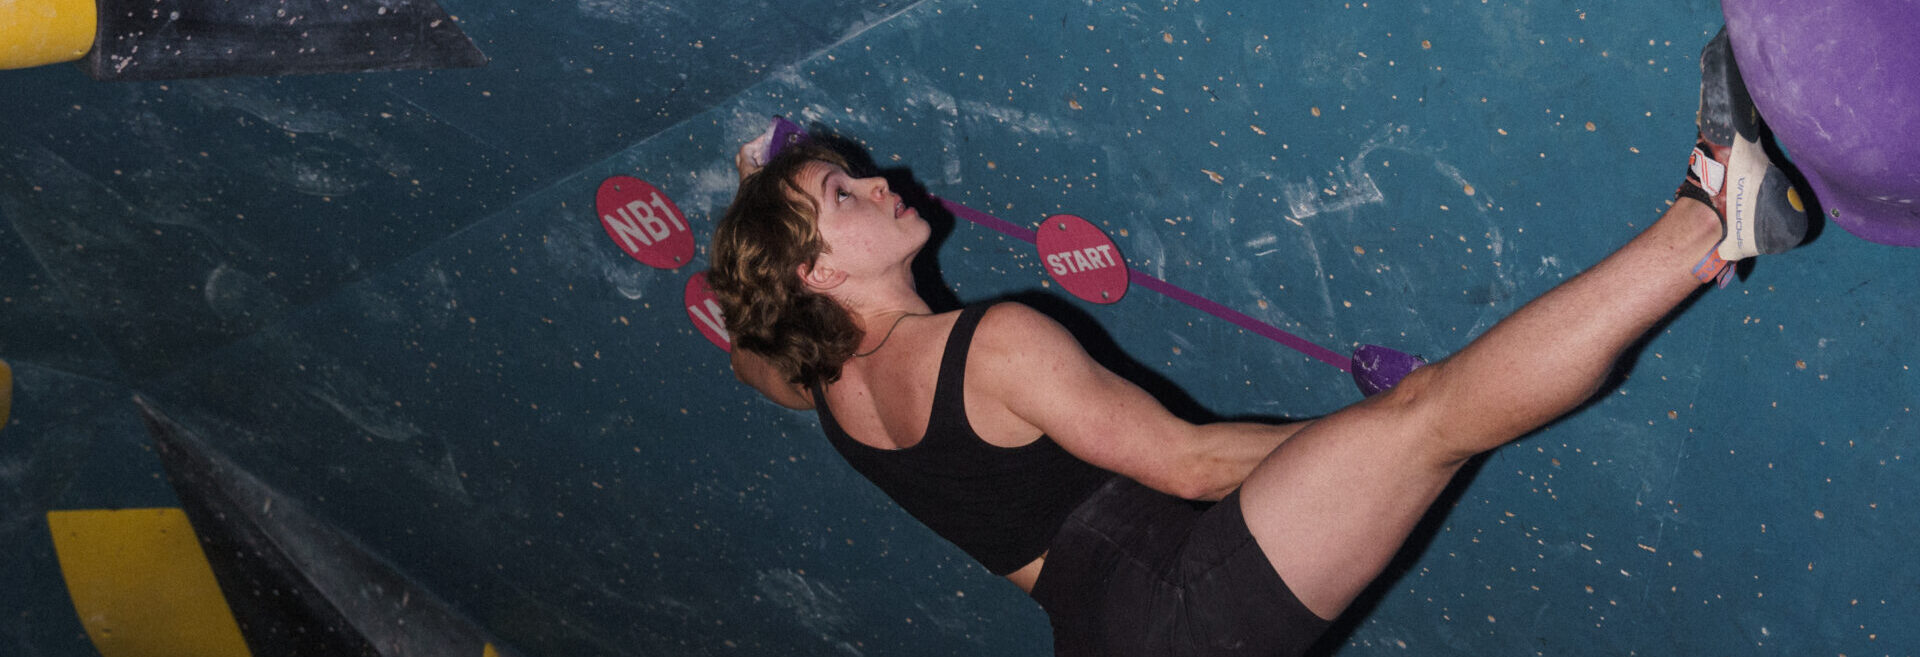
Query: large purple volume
x=1839 y=83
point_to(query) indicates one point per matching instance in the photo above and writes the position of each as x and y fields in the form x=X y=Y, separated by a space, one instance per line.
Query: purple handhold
x=1377 y=368
x=785 y=133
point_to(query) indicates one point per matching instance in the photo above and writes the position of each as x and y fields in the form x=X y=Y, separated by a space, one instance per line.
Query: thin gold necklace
x=888 y=336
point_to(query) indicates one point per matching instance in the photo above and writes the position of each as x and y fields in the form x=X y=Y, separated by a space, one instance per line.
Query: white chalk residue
x=443 y=474
x=814 y=604
x=1146 y=243
x=1481 y=201
x=1016 y=120
x=845 y=119
x=1546 y=263
x=1319 y=274
x=370 y=416
x=242 y=299
x=791 y=77
x=947 y=614
x=713 y=188
x=1347 y=188
x=1501 y=289
x=346 y=157
x=1180 y=341
x=65 y=184
x=869 y=20
x=310 y=173
x=933 y=99
x=646 y=12
x=1313 y=197
x=425 y=299
x=579 y=243
x=259 y=99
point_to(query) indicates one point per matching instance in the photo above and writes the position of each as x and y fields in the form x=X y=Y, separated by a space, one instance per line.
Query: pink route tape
x=1171 y=291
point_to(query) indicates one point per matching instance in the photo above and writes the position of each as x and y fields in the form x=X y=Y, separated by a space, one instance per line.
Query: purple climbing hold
x=1377 y=368
x=1838 y=83
x=785 y=133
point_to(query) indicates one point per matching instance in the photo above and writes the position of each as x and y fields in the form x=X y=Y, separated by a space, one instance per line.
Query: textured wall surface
x=390 y=297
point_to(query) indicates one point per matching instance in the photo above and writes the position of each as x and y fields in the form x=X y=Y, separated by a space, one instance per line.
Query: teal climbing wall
x=390 y=298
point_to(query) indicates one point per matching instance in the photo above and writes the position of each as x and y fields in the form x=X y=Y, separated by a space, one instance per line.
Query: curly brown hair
x=758 y=247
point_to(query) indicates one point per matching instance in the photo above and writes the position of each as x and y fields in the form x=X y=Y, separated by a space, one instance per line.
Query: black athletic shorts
x=1138 y=572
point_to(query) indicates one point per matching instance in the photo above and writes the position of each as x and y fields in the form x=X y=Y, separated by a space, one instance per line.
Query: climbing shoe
x=1759 y=209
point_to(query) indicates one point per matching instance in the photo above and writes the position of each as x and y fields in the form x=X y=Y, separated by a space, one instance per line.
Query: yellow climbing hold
x=1793 y=199
x=141 y=585
x=45 y=32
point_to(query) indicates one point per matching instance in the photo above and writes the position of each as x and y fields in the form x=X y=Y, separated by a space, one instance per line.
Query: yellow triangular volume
x=141 y=584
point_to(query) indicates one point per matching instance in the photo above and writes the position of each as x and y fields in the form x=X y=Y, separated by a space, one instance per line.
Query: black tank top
x=1001 y=505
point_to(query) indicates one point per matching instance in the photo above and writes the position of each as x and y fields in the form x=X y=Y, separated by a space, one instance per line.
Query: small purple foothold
x=785 y=133
x=1377 y=368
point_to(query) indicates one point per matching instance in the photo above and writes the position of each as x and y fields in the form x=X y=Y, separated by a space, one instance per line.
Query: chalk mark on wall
x=1338 y=192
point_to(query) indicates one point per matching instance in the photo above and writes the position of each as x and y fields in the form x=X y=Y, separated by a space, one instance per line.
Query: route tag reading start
x=1082 y=259
x=644 y=222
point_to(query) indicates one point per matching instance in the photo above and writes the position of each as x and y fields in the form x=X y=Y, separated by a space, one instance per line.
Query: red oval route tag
x=644 y=222
x=1082 y=258
x=704 y=311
